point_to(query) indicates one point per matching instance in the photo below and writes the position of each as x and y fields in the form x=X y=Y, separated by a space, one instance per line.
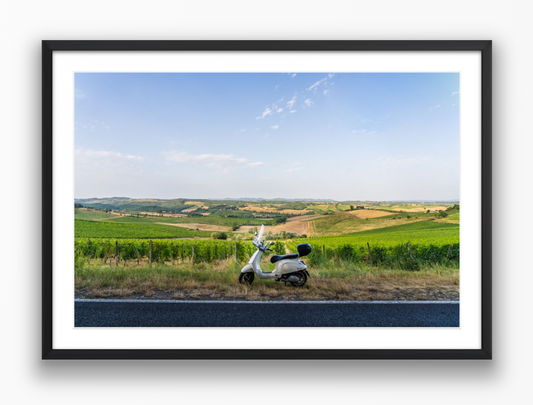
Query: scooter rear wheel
x=303 y=279
x=246 y=278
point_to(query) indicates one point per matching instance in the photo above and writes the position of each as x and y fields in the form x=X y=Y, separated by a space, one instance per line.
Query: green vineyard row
x=167 y=249
x=392 y=255
x=383 y=254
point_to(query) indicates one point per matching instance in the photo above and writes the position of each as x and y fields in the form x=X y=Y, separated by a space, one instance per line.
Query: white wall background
x=27 y=379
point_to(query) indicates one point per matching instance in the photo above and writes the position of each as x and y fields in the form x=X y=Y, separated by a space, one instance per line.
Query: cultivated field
x=364 y=214
x=299 y=225
x=102 y=229
x=200 y=227
x=418 y=208
x=163 y=215
x=195 y=248
x=274 y=210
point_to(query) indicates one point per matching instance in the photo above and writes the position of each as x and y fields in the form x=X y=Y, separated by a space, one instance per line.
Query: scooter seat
x=275 y=259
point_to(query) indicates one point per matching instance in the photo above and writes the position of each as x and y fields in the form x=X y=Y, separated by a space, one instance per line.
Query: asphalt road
x=151 y=313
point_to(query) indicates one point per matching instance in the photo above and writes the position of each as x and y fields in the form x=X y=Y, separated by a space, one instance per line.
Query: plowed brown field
x=363 y=214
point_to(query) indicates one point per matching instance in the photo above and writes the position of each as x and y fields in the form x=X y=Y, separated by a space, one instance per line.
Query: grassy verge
x=219 y=281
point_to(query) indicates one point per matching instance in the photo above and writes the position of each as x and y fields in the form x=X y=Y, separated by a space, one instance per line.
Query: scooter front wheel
x=246 y=278
x=302 y=281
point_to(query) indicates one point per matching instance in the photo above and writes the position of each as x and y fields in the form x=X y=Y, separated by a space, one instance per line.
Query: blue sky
x=344 y=136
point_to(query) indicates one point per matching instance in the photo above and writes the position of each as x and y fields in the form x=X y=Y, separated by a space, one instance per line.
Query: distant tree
x=76 y=205
x=428 y=211
x=279 y=220
x=351 y=208
x=219 y=235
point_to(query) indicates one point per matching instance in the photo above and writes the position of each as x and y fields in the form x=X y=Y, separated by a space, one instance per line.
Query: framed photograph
x=266 y=200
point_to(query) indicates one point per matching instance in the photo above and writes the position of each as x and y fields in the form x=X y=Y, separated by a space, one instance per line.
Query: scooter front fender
x=253 y=265
x=247 y=269
x=250 y=269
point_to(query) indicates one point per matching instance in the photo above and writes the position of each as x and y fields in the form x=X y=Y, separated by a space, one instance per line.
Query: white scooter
x=288 y=267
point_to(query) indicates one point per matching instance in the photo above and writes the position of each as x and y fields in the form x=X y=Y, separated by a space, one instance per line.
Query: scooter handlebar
x=262 y=245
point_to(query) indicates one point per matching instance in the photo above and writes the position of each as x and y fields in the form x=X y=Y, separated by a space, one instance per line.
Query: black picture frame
x=484 y=47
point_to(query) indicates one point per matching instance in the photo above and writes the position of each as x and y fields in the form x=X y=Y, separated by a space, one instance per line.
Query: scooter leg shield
x=247 y=269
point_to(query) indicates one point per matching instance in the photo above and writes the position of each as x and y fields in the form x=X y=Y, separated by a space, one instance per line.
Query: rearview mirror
x=272 y=243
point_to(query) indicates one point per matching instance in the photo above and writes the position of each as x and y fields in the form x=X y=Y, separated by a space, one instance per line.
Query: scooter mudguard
x=247 y=269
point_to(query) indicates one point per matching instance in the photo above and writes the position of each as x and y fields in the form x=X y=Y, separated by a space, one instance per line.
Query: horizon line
x=270 y=199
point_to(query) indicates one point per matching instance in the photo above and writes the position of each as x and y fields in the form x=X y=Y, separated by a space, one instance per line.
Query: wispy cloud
x=79 y=94
x=275 y=108
x=221 y=161
x=271 y=110
x=401 y=161
x=294 y=167
x=455 y=92
x=322 y=82
x=267 y=111
x=92 y=126
x=107 y=154
x=434 y=107
x=291 y=102
x=104 y=160
x=293 y=111
x=317 y=83
x=275 y=126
